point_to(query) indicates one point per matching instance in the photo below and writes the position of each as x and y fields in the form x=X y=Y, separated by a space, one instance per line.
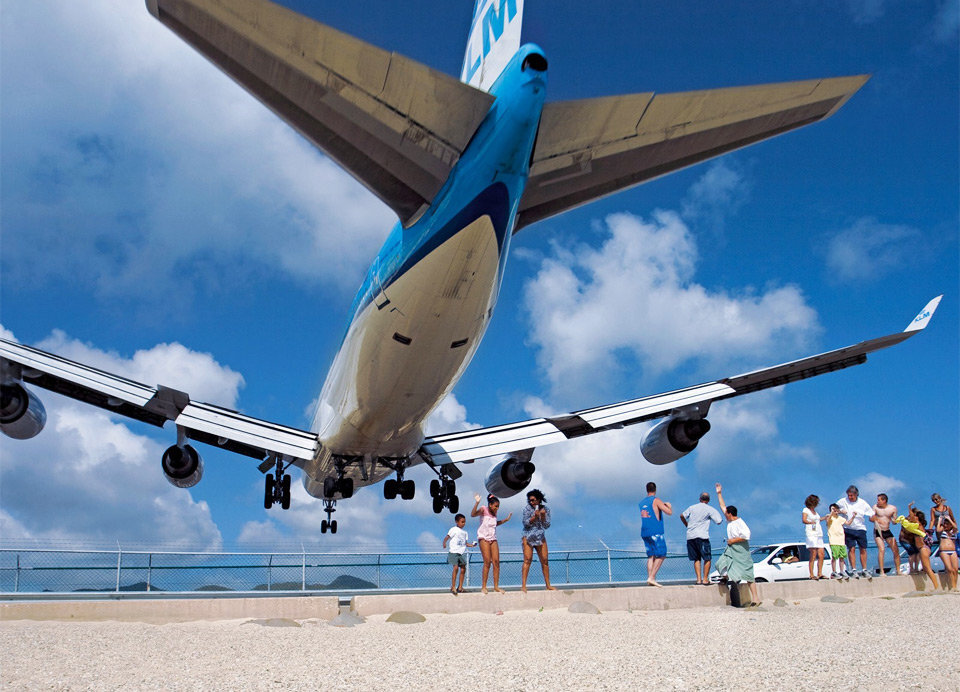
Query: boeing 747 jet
x=465 y=164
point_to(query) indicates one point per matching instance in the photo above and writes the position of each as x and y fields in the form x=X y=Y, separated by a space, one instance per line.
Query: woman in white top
x=814 y=534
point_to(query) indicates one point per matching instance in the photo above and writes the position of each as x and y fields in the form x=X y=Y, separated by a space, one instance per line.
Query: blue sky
x=159 y=222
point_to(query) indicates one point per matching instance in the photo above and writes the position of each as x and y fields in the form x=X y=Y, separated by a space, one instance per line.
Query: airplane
x=465 y=164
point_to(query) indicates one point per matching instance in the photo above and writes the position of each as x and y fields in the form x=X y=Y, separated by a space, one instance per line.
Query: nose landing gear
x=329 y=506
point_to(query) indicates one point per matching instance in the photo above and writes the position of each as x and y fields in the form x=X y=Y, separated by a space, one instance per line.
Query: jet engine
x=22 y=416
x=511 y=475
x=672 y=438
x=182 y=466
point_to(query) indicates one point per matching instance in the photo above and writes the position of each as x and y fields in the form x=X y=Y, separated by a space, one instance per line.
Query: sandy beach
x=870 y=643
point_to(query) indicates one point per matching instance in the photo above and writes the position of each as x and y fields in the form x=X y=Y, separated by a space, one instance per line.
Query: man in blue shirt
x=697 y=519
x=652 y=510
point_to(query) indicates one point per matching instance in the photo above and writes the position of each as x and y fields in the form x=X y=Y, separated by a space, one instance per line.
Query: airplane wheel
x=329 y=486
x=434 y=488
x=389 y=489
x=268 y=492
x=346 y=487
x=454 y=504
x=323 y=526
x=333 y=526
x=437 y=505
x=407 y=490
x=285 y=492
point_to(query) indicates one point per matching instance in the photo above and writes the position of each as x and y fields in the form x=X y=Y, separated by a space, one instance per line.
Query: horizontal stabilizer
x=593 y=147
x=396 y=125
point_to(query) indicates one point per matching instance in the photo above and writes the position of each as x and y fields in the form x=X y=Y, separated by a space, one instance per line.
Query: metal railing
x=38 y=571
x=59 y=571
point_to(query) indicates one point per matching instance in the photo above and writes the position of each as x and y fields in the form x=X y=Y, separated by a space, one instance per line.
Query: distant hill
x=344 y=581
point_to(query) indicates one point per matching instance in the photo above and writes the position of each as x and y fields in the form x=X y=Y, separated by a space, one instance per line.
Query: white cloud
x=869 y=250
x=872 y=483
x=593 y=311
x=86 y=479
x=161 y=173
x=717 y=194
x=429 y=543
x=171 y=365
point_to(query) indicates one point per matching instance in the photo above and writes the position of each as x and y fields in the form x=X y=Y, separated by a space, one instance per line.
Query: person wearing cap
x=697 y=519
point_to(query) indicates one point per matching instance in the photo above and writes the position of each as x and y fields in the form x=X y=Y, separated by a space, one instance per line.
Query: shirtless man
x=883 y=514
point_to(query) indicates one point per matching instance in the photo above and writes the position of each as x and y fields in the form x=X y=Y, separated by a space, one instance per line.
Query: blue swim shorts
x=698 y=549
x=656 y=545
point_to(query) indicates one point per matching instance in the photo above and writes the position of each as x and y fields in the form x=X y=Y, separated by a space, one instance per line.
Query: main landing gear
x=277 y=487
x=393 y=487
x=443 y=490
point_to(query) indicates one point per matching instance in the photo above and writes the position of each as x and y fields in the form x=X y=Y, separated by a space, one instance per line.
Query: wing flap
x=396 y=125
x=504 y=439
x=590 y=148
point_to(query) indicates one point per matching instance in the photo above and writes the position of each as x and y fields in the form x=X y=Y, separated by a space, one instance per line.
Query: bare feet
x=483 y=590
x=453 y=591
x=499 y=590
x=653 y=582
x=523 y=589
x=551 y=588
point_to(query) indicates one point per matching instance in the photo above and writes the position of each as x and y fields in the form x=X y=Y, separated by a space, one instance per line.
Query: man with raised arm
x=697 y=519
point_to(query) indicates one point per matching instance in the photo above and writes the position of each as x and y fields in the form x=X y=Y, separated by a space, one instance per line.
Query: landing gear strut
x=393 y=487
x=277 y=487
x=339 y=484
x=329 y=506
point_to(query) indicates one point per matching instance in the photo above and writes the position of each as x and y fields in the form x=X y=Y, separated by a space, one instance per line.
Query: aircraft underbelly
x=402 y=357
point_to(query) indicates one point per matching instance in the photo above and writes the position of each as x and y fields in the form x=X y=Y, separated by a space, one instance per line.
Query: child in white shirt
x=459 y=541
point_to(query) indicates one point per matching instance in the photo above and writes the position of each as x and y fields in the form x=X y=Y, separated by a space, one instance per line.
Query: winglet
x=920 y=321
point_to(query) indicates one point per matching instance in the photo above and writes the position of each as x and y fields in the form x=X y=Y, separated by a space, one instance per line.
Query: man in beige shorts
x=883 y=514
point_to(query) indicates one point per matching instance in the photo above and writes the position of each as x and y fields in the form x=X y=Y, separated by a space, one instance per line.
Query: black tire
x=407 y=490
x=323 y=526
x=268 y=492
x=389 y=489
x=434 y=488
x=761 y=580
x=346 y=487
x=454 y=504
x=285 y=492
x=437 y=505
x=333 y=526
x=451 y=488
x=329 y=486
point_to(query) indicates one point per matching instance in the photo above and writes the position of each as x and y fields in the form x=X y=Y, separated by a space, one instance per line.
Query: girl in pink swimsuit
x=487 y=538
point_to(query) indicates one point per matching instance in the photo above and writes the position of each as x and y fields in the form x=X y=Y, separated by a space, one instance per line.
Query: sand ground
x=871 y=643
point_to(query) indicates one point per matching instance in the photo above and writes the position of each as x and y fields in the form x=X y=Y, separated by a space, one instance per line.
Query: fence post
x=303 y=571
x=468 y=570
x=568 y=566
x=270 y=573
x=609 y=564
x=119 y=558
x=149 y=569
x=16 y=583
x=378 y=569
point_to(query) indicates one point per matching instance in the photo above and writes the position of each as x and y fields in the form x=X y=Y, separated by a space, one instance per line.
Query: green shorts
x=457 y=559
x=838 y=552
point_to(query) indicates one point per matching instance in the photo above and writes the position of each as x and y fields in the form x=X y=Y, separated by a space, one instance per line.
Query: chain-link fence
x=77 y=571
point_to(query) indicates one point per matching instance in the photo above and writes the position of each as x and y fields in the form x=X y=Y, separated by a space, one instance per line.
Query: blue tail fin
x=494 y=38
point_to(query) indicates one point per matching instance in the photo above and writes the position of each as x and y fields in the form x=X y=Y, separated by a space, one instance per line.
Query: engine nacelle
x=22 y=416
x=182 y=466
x=672 y=438
x=511 y=475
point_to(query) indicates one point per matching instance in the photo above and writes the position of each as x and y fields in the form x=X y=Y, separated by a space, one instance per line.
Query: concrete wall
x=297 y=607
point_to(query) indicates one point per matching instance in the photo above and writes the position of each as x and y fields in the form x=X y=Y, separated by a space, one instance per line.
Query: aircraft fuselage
x=427 y=300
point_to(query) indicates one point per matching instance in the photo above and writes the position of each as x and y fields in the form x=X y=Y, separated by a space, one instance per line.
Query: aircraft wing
x=589 y=148
x=505 y=439
x=396 y=125
x=207 y=423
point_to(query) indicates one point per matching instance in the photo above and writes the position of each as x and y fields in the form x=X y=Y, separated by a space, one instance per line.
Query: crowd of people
x=846 y=538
